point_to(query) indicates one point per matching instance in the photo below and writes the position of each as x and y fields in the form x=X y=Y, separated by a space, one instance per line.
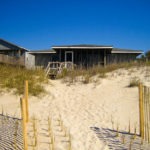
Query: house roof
x=91 y=46
x=46 y=51
x=5 y=45
x=121 y=51
x=82 y=46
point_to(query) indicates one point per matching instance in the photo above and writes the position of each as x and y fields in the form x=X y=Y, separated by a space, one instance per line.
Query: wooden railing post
x=26 y=100
x=24 y=127
x=141 y=111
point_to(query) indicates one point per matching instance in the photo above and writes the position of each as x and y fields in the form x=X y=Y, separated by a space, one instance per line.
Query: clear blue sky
x=39 y=24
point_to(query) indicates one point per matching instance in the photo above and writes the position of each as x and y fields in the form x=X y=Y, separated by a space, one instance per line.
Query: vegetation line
x=13 y=78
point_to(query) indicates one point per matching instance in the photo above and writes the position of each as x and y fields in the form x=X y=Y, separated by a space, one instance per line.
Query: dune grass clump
x=134 y=82
x=86 y=79
x=13 y=77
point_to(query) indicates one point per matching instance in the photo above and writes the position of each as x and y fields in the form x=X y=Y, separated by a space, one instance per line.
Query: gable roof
x=5 y=45
x=121 y=51
x=83 y=46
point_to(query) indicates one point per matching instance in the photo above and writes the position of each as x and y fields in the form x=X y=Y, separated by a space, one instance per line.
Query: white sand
x=86 y=106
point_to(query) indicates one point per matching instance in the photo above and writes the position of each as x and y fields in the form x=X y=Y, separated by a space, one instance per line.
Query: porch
x=83 y=56
x=19 y=61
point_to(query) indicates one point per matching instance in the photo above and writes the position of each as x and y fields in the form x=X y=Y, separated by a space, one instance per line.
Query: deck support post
x=60 y=55
x=105 y=58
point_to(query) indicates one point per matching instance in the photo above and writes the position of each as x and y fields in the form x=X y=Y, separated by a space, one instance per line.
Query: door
x=69 y=56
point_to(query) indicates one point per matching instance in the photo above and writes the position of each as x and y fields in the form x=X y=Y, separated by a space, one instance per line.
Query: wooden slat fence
x=12 y=60
x=26 y=133
x=13 y=131
x=144 y=107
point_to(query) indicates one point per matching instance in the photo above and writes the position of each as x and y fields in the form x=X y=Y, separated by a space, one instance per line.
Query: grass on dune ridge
x=13 y=77
x=101 y=71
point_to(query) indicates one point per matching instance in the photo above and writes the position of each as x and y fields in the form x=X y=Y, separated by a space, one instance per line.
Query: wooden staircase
x=54 y=68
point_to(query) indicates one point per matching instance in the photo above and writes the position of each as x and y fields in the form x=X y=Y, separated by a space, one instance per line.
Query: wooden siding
x=41 y=60
x=84 y=57
x=120 y=58
x=12 y=60
x=88 y=58
x=29 y=61
x=14 y=53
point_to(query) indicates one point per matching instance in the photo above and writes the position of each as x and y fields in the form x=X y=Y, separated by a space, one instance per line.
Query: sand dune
x=90 y=111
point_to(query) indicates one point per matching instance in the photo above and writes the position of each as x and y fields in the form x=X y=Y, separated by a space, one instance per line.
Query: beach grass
x=13 y=77
x=87 y=74
x=134 y=82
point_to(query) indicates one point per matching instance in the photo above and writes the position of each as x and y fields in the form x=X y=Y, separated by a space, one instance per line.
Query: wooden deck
x=20 y=61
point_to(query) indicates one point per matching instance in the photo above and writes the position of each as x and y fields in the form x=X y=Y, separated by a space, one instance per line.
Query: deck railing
x=12 y=60
x=53 y=68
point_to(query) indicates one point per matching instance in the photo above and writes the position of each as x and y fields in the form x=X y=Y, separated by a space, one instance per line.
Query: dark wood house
x=85 y=55
x=80 y=55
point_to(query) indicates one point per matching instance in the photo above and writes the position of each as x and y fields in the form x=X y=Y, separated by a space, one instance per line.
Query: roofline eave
x=41 y=52
x=72 y=47
x=129 y=52
x=17 y=47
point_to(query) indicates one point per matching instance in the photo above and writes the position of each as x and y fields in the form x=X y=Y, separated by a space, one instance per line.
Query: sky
x=40 y=24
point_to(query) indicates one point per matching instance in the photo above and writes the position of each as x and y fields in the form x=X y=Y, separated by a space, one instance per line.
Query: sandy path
x=84 y=107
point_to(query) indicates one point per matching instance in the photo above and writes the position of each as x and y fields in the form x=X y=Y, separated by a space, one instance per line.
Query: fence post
x=24 y=128
x=149 y=115
x=145 y=118
x=146 y=114
x=26 y=100
x=141 y=112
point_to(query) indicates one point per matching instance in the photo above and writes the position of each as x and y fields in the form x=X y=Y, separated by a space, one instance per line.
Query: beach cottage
x=85 y=55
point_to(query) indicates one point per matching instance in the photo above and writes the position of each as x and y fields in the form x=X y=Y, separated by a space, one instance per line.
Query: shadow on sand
x=120 y=140
x=10 y=133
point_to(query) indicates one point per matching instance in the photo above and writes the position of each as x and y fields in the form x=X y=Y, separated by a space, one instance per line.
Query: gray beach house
x=83 y=55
